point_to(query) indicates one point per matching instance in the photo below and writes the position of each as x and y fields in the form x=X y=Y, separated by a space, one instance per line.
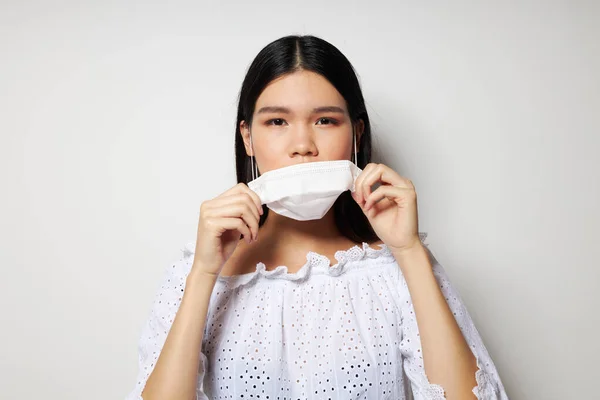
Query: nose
x=302 y=143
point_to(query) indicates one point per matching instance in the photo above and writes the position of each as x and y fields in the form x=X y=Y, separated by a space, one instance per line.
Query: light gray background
x=116 y=121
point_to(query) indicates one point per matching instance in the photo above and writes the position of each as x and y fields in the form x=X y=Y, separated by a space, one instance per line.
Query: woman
x=271 y=317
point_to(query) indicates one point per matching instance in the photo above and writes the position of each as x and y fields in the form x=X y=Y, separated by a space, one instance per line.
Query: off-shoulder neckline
x=316 y=264
x=315 y=261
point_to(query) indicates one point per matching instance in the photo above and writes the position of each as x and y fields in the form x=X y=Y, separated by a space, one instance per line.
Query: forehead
x=300 y=89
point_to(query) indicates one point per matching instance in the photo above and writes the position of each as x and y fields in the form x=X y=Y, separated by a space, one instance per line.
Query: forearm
x=448 y=360
x=175 y=375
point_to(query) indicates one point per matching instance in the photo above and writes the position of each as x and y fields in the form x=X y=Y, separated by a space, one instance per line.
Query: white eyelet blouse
x=340 y=332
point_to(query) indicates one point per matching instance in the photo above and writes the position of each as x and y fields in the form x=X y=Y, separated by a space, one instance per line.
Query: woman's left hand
x=391 y=208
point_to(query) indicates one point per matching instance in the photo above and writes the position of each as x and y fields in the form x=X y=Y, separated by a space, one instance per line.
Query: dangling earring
x=355 y=153
x=252 y=160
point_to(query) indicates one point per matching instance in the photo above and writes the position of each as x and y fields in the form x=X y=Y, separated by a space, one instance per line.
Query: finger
x=237 y=198
x=243 y=188
x=384 y=191
x=358 y=183
x=390 y=177
x=243 y=210
x=232 y=190
x=240 y=197
x=232 y=224
x=253 y=223
x=254 y=198
x=368 y=180
x=386 y=176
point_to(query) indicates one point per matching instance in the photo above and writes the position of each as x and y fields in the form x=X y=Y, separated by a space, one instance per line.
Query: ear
x=245 y=132
x=358 y=131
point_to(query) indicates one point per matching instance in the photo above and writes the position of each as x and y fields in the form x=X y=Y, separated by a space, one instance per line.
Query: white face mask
x=305 y=191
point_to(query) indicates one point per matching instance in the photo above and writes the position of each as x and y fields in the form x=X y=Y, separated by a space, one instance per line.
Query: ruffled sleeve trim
x=486 y=385
x=484 y=390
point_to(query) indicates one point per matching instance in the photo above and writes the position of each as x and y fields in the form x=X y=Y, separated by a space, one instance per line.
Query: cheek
x=337 y=147
x=270 y=161
x=269 y=154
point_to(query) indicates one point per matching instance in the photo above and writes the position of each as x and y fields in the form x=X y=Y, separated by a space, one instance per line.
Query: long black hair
x=296 y=53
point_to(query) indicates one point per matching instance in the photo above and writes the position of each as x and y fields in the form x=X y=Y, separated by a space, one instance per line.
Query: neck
x=278 y=229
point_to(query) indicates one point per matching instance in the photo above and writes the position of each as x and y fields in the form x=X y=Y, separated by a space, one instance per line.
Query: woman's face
x=299 y=118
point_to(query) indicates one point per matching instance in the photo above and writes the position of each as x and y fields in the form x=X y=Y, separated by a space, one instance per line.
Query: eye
x=275 y=122
x=327 y=121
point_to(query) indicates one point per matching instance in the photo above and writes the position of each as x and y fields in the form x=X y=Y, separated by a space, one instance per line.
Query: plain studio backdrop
x=117 y=121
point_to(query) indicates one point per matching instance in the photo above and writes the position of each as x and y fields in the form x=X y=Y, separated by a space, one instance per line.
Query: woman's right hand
x=223 y=221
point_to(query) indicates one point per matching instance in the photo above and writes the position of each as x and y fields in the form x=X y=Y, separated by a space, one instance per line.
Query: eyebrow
x=285 y=110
